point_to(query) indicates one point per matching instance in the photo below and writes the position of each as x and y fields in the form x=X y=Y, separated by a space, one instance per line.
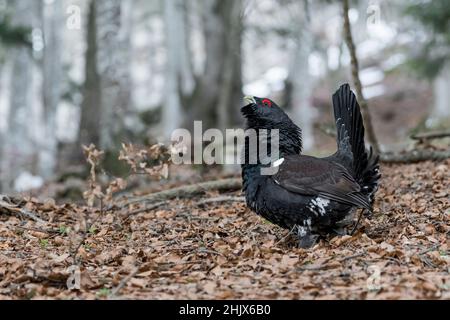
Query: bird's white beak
x=249 y=100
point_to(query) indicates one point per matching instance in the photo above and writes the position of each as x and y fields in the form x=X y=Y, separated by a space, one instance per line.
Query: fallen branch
x=189 y=217
x=410 y=156
x=323 y=266
x=144 y=209
x=48 y=232
x=220 y=200
x=430 y=135
x=415 y=156
x=16 y=209
x=357 y=255
x=207 y=251
x=425 y=251
x=200 y=250
x=186 y=191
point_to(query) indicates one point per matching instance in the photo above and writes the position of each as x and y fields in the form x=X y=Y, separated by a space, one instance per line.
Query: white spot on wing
x=278 y=163
x=319 y=205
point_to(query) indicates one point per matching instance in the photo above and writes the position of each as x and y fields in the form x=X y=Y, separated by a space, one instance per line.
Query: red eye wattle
x=267 y=102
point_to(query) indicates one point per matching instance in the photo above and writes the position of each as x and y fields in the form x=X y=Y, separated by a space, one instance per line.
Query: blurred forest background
x=76 y=72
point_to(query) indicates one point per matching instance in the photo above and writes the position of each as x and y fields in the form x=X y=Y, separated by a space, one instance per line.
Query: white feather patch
x=319 y=205
x=278 y=163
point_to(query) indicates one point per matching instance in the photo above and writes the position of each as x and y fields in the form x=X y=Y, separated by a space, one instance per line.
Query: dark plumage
x=315 y=196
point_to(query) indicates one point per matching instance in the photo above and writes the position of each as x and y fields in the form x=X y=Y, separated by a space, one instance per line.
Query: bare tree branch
x=6 y=205
x=371 y=137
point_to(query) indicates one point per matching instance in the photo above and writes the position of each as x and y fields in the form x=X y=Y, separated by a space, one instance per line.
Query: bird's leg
x=341 y=228
x=340 y=231
x=358 y=222
x=368 y=213
x=306 y=239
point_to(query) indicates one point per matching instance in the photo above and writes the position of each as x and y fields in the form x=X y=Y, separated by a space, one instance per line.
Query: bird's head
x=263 y=113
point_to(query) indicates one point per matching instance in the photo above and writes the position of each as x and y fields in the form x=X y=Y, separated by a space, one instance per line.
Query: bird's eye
x=267 y=103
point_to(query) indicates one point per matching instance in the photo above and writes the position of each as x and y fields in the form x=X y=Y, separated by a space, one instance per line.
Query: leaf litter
x=183 y=250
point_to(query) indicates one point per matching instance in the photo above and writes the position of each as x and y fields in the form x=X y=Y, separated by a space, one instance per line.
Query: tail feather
x=371 y=175
x=350 y=136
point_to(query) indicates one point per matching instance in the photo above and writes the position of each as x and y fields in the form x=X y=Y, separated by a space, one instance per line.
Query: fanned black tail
x=350 y=132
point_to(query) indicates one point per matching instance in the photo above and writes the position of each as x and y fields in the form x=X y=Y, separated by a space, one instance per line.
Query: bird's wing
x=319 y=177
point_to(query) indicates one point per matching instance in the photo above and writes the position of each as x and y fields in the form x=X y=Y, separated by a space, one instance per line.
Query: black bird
x=314 y=196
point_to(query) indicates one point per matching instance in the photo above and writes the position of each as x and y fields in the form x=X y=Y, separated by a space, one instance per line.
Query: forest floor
x=192 y=249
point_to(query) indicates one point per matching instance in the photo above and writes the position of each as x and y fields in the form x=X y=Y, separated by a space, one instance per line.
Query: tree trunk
x=113 y=58
x=90 y=108
x=218 y=94
x=441 y=109
x=301 y=81
x=231 y=82
x=179 y=76
x=18 y=149
x=52 y=74
x=370 y=132
x=5 y=75
x=107 y=88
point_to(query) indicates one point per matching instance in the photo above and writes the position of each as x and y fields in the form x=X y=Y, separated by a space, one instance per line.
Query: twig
x=371 y=137
x=314 y=268
x=39 y=230
x=170 y=264
x=124 y=281
x=186 y=214
x=31 y=216
x=397 y=261
x=85 y=233
x=144 y=209
x=427 y=261
x=204 y=250
x=186 y=191
x=409 y=220
x=436 y=246
x=357 y=255
x=220 y=200
x=286 y=236
x=14 y=208
x=200 y=250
